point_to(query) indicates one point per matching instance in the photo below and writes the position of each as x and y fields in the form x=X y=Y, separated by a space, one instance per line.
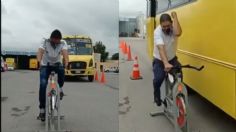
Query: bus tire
x=91 y=78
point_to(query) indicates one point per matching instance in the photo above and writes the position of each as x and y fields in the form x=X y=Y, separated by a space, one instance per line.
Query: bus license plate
x=78 y=71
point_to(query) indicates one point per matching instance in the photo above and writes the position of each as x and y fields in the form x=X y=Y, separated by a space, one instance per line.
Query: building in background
x=132 y=26
x=19 y=59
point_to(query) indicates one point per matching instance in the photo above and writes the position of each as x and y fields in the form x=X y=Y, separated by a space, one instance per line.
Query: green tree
x=115 y=56
x=100 y=48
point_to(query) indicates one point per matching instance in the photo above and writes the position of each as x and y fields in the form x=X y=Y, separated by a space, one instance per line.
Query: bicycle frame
x=52 y=104
x=176 y=99
x=175 y=91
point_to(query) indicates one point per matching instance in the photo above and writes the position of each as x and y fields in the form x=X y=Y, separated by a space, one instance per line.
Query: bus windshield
x=79 y=46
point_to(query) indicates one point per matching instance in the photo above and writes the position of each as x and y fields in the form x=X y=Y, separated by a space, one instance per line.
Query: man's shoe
x=61 y=95
x=41 y=116
x=158 y=102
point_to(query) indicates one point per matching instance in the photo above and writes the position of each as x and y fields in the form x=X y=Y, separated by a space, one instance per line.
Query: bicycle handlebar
x=56 y=65
x=189 y=66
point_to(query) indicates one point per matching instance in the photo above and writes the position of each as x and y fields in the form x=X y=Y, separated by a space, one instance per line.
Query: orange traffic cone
x=125 y=48
x=121 y=44
x=135 y=75
x=129 y=54
x=96 y=75
x=103 y=79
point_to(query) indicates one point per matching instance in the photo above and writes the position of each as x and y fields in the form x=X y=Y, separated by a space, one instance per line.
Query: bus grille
x=78 y=65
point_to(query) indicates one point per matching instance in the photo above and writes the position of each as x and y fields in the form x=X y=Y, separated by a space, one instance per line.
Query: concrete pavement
x=88 y=107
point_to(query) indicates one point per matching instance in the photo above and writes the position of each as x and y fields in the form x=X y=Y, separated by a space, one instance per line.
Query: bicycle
x=176 y=99
x=53 y=105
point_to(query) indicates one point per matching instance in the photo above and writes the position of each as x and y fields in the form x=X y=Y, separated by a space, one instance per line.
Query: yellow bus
x=81 y=56
x=11 y=65
x=33 y=63
x=209 y=28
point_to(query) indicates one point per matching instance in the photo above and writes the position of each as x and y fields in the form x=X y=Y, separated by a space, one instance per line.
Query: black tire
x=91 y=78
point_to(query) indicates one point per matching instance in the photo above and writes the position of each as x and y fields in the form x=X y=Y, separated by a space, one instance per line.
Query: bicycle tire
x=53 y=101
x=181 y=119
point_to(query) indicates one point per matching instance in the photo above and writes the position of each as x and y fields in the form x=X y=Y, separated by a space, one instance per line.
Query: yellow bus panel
x=209 y=29
x=33 y=63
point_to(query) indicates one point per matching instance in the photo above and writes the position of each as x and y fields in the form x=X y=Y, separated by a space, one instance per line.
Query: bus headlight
x=91 y=63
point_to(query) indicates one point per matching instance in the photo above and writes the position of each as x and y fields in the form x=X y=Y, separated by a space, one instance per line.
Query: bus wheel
x=91 y=78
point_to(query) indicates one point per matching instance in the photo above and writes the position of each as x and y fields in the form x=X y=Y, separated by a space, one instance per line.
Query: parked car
x=10 y=63
x=112 y=69
x=10 y=68
x=107 y=69
x=117 y=70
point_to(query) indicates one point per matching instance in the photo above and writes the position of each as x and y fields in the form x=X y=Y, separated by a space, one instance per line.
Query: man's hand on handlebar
x=168 y=67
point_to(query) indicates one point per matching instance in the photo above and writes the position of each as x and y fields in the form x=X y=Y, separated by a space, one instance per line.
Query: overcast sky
x=131 y=8
x=26 y=22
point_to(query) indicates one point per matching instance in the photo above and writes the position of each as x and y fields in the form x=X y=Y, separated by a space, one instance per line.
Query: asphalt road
x=88 y=107
x=136 y=101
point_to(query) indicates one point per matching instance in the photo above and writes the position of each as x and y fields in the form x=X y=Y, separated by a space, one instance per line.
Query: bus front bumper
x=80 y=72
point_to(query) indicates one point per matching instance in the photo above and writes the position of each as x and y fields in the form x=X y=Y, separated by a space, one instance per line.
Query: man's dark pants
x=44 y=75
x=159 y=76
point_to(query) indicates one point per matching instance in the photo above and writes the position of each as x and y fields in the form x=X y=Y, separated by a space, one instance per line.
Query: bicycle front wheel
x=182 y=113
x=52 y=112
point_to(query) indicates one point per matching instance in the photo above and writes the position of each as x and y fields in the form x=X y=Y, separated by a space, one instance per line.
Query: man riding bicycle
x=49 y=57
x=165 y=46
